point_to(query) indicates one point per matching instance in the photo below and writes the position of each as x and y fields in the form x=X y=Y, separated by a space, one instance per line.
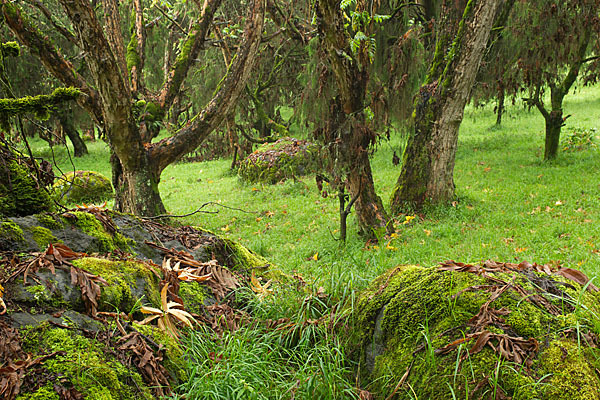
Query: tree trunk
x=65 y=118
x=136 y=189
x=554 y=124
x=346 y=134
x=500 y=107
x=369 y=207
x=428 y=162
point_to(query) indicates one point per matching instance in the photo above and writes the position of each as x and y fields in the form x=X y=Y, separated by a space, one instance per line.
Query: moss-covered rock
x=407 y=318
x=20 y=194
x=286 y=158
x=84 y=363
x=83 y=187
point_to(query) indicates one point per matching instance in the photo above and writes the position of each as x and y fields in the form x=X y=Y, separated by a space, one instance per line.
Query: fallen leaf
x=427 y=232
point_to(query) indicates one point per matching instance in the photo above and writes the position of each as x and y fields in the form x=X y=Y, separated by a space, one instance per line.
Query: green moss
x=410 y=306
x=83 y=186
x=19 y=193
x=174 y=363
x=43 y=236
x=286 y=158
x=41 y=105
x=50 y=221
x=193 y=295
x=45 y=392
x=90 y=225
x=128 y=282
x=11 y=232
x=11 y=49
x=133 y=58
x=572 y=375
x=92 y=371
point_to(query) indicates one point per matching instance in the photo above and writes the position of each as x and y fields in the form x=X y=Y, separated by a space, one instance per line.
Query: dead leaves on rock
x=148 y=362
x=219 y=279
x=90 y=288
x=490 y=266
x=171 y=312
x=12 y=373
x=518 y=350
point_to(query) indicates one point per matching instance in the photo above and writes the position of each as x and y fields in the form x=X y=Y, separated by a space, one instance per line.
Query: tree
x=554 y=40
x=345 y=132
x=427 y=174
x=118 y=98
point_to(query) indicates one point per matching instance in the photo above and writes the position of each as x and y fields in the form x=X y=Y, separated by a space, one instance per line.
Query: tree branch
x=140 y=42
x=62 y=30
x=47 y=53
x=189 y=51
x=112 y=20
x=169 y=150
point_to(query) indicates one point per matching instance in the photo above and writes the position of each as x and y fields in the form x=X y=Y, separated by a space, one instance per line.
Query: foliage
x=579 y=139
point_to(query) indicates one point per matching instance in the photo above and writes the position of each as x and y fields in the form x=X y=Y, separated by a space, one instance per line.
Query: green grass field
x=511 y=206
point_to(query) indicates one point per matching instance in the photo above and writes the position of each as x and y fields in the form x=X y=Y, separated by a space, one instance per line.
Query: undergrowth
x=510 y=206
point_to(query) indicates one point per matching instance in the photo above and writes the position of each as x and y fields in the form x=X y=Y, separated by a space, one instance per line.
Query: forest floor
x=511 y=206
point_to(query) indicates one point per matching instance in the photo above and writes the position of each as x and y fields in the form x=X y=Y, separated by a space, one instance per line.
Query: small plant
x=171 y=312
x=580 y=139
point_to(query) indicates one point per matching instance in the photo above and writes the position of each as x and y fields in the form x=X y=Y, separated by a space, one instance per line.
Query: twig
x=199 y=210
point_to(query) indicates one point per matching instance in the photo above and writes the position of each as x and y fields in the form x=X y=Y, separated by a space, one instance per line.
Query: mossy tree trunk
x=112 y=96
x=427 y=174
x=346 y=135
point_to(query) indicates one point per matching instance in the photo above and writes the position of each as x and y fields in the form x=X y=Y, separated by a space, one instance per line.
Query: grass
x=511 y=206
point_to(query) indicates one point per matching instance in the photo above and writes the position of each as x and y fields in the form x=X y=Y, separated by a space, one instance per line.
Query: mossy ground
x=274 y=162
x=91 y=370
x=410 y=311
x=89 y=224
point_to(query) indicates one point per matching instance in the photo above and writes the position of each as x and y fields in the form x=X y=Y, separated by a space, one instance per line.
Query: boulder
x=492 y=331
x=83 y=187
x=283 y=159
x=74 y=286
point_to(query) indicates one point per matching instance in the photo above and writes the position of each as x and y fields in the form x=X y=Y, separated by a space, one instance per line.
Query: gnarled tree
x=345 y=132
x=117 y=97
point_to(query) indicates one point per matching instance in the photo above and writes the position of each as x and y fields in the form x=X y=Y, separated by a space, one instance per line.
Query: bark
x=346 y=135
x=140 y=35
x=112 y=21
x=428 y=162
x=500 y=107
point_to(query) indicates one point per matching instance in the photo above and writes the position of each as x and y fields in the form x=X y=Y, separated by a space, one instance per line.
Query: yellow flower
x=407 y=219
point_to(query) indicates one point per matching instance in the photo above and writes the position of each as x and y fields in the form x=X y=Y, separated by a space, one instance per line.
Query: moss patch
x=50 y=221
x=89 y=224
x=409 y=312
x=43 y=236
x=128 y=282
x=83 y=186
x=9 y=231
x=286 y=158
x=19 y=193
x=91 y=370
